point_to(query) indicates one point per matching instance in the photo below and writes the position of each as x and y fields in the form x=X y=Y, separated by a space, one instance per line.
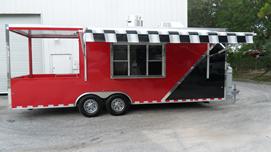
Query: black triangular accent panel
x=196 y=85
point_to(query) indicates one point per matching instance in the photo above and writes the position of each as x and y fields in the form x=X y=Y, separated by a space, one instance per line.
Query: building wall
x=93 y=13
x=18 y=46
x=105 y=13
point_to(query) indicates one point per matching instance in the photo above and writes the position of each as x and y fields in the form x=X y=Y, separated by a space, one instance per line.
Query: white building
x=50 y=54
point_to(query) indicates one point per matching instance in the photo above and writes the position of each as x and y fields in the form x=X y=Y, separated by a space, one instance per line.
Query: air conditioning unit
x=134 y=21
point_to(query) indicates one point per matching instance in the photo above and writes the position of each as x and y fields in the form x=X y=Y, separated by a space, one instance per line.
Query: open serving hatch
x=40 y=31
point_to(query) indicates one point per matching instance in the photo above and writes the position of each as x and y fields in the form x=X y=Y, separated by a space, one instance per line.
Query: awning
x=42 y=31
x=142 y=35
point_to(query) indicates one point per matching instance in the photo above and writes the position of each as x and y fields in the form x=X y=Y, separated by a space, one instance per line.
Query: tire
x=90 y=105
x=117 y=104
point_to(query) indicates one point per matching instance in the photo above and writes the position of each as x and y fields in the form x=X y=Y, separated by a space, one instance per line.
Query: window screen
x=155 y=59
x=137 y=60
x=120 y=60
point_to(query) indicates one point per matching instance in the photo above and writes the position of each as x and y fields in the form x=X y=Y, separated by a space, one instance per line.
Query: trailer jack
x=235 y=92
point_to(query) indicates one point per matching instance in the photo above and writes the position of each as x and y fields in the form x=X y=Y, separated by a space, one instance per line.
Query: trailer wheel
x=117 y=104
x=90 y=105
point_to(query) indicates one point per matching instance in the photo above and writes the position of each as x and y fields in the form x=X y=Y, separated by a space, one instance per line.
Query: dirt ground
x=240 y=127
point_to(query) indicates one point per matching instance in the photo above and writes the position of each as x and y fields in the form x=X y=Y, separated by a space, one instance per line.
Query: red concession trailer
x=124 y=66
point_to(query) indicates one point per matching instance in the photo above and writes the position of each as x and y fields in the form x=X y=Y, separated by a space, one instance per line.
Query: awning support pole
x=8 y=65
x=30 y=56
x=83 y=47
x=8 y=57
x=208 y=63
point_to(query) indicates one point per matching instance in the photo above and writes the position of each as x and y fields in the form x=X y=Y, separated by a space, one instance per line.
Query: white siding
x=19 y=47
x=101 y=13
x=61 y=46
x=91 y=13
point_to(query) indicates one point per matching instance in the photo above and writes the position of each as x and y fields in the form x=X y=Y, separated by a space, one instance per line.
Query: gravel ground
x=241 y=127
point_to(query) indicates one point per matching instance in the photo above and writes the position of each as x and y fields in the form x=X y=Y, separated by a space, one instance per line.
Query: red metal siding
x=179 y=59
x=52 y=90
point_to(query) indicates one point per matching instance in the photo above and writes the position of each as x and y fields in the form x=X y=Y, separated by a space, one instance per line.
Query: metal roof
x=44 y=31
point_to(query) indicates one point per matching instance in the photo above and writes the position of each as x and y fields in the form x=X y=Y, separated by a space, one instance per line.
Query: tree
x=241 y=15
x=237 y=15
x=265 y=9
x=201 y=13
x=249 y=15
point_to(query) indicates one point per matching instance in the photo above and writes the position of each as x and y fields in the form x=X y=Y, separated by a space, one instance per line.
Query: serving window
x=137 y=60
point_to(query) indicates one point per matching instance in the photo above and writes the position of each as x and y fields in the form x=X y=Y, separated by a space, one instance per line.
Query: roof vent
x=171 y=25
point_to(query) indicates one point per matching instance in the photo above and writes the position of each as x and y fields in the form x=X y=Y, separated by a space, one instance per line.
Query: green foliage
x=202 y=12
x=265 y=9
x=266 y=59
x=238 y=15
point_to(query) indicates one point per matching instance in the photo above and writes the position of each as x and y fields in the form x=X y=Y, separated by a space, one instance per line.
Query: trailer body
x=147 y=66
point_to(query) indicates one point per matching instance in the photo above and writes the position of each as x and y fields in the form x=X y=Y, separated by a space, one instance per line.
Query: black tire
x=124 y=104
x=90 y=105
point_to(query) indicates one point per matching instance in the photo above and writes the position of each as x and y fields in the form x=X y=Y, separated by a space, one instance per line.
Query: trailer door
x=61 y=63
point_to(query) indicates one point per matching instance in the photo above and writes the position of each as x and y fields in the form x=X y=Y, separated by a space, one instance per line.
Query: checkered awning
x=141 y=35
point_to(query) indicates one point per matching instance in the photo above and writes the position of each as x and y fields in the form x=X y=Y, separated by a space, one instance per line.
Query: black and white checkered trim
x=166 y=36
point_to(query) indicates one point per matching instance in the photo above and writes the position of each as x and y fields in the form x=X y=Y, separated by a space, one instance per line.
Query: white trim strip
x=146 y=102
x=137 y=102
x=50 y=105
x=45 y=106
x=179 y=101
x=40 y=106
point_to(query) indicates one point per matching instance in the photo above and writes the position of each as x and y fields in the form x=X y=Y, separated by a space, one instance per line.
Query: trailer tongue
x=123 y=66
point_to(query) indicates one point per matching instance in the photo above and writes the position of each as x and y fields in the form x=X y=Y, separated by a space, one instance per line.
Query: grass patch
x=255 y=75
